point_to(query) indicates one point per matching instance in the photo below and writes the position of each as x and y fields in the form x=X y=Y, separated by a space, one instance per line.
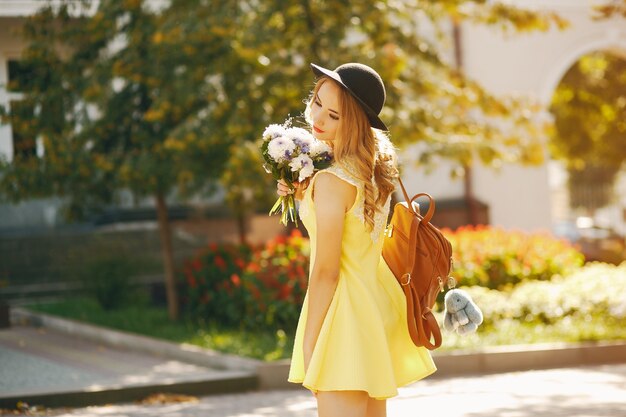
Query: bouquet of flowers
x=292 y=154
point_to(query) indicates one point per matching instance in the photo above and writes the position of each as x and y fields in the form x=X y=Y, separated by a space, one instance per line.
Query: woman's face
x=325 y=111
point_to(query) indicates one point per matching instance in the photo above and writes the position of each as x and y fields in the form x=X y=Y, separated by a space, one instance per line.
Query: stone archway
x=610 y=39
x=533 y=64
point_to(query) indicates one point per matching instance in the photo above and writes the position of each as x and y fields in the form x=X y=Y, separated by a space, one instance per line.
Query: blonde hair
x=368 y=150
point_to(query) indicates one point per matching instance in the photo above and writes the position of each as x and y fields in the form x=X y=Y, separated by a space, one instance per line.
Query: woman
x=352 y=348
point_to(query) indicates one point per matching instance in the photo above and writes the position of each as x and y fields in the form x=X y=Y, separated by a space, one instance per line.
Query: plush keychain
x=461 y=313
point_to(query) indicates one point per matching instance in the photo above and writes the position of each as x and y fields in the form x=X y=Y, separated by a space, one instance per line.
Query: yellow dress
x=364 y=343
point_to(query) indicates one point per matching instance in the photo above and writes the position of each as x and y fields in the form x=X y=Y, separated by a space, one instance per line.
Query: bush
x=496 y=258
x=277 y=279
x=247 y=287
x=211 y=283
x=594 y=291
x=108 y=279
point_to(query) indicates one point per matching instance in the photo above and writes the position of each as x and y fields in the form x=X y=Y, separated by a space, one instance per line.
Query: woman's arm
x=332 y=198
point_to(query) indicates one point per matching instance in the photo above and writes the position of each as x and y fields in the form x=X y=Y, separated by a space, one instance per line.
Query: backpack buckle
x=408 y=280
x=440 y=281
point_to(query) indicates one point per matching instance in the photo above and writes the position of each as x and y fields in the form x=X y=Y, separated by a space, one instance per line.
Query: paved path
x=39 y=361
x=598 y=391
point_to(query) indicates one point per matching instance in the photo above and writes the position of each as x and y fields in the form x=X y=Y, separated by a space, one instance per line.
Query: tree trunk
x=241 y=227
x=168 y=256
x=470 y=202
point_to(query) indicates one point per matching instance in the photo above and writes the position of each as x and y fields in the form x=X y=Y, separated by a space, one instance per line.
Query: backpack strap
x=406 y=196
x=409 y=201
x=416 y=320
x=415 y=315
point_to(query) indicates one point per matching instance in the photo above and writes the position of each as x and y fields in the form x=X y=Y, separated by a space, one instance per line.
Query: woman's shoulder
x=345 y=170
x=334 y=188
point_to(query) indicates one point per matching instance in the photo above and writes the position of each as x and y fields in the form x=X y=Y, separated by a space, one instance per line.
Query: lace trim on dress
x=380 y=217
x=347 y=172
x=380 y=221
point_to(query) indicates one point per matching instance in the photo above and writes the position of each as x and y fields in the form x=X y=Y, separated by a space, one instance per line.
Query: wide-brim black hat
x=364 y=84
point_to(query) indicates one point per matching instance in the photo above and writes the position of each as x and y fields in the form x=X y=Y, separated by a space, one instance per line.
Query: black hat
x=364 y=84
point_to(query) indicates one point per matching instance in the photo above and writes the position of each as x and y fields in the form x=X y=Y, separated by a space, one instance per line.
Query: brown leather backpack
x=420 y=258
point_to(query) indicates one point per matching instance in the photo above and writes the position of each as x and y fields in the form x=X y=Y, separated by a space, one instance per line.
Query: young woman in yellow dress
x=352 y=348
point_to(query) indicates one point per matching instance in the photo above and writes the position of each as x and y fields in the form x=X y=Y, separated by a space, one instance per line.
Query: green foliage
x=248 y=185
x=496 y=258
x=589 y=107
x=141 y=318
x=597 y=290
x=508 y=17
x=108 y=279
x=587 y=305
x=127 y=98
x=155 y=99
x=610 y=8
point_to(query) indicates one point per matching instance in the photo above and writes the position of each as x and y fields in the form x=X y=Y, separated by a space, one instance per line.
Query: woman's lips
x=318 y=130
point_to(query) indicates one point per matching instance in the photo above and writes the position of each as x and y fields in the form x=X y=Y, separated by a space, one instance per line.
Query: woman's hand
x=282 y=188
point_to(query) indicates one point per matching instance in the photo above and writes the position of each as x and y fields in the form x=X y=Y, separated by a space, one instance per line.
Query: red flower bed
x=496 y=258
x=248 y=286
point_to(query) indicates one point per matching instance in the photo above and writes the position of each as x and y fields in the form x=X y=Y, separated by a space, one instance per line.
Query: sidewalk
x=43 y=366
x=598 y=391
x=55 y=362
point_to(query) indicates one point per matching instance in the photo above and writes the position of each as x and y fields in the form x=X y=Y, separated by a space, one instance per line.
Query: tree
x=429 y=100
x=609 y=9
x=126 y=95
x=124 y=98
x=589 y=108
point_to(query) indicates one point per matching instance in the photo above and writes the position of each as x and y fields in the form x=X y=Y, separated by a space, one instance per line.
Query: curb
x=273 y=375
x=128 y=393
x=118 y=338
x=491 y=360
x=513 y=358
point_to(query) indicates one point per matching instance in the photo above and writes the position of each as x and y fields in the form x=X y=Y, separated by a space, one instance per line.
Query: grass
x=141 y=318
x=514 y=332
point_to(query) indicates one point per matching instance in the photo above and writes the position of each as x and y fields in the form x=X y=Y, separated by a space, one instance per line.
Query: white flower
x=301 y=138
x=297 y=132
x=306 y=172
x=281 y=148
x=318 y=147
x=273 y=131
x=302 y=164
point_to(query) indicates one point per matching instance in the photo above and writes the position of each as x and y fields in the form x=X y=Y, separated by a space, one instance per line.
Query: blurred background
x=131 y=181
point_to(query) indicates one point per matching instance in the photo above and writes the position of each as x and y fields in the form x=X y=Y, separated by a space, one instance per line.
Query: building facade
x=529 y=198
